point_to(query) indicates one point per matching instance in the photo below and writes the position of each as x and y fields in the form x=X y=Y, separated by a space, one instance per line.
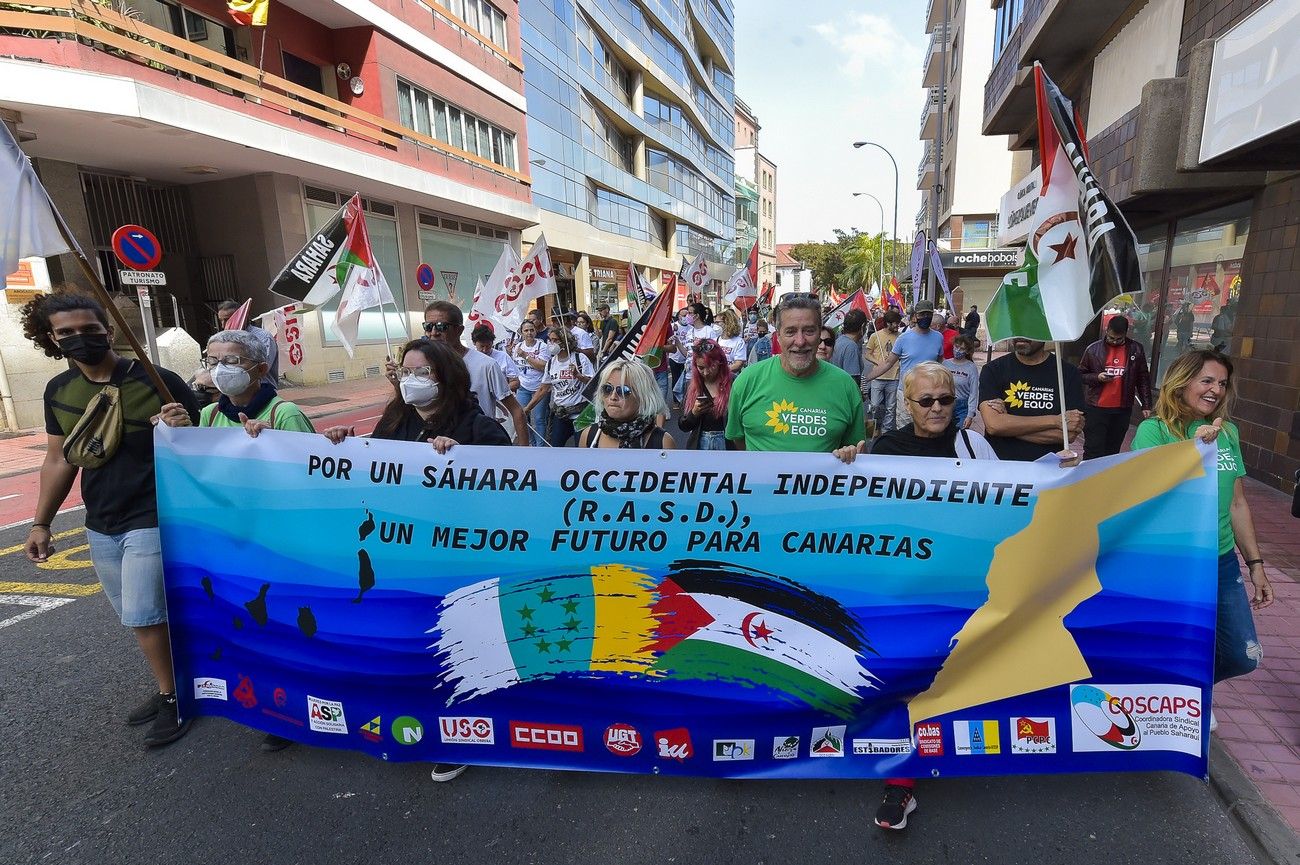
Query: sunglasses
x=405 y=372
x=622 y=390
x=827 y=340
x=927 y=401
x=439 y=326
x=704 y=346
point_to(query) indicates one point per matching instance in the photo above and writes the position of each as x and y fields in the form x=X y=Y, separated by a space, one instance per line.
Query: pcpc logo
x=466 y=731
x=623 y=740
x=545 y=737
x=675 y=744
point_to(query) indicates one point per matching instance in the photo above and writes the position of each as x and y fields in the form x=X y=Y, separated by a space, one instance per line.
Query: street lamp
x=882 y=233
x=894 y=242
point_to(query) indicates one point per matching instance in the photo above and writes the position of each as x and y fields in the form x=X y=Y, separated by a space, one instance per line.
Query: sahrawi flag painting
x=1081 y=250
x=708 y=623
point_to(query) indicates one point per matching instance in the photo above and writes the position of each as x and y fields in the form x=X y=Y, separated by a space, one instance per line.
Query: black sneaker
x=894 y=808
x=273 y=742
x=447 y=771
x=145 y=712
x=167 y=726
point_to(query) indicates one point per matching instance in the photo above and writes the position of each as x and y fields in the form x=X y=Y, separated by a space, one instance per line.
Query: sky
x=831 y=73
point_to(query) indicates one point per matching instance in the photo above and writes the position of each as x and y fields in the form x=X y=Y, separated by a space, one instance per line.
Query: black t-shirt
x=1027 y=391
x=120 y=495
x=469 y=426
x=607 y=327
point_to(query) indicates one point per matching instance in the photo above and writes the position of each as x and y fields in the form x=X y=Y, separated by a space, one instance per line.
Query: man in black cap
x=918 y=345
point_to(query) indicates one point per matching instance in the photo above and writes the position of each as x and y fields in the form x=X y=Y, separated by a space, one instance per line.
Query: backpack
x=98 y=434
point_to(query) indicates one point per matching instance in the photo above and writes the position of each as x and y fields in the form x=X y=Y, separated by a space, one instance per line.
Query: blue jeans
x=684 y=380
x=882 y=403
x=1236 y=646
x=713 y=440
x=538 y=419
x=663 y=379
x=129 y=567
x=561 y=429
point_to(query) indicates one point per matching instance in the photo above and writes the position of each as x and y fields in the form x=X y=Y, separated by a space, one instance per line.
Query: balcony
x=934 y=13
x=1009 y=92
x=1066 y=31
x=925 y=168
x=940 y=40
x=930 y=115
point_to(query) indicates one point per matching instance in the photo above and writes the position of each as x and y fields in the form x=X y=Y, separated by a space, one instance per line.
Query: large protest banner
x=723 y=614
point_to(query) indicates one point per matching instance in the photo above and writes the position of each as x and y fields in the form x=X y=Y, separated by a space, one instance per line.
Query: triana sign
x=1017 y=209
x=981 y=259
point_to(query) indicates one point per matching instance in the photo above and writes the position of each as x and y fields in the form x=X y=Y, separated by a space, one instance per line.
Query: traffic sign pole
x=146 y=310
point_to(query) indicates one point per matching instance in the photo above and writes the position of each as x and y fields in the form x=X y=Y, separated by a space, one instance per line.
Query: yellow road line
x=14 y=549
x=63 y=561
x=62 y=590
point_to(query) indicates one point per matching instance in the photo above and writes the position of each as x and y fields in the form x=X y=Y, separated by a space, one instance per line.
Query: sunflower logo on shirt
x=789 y=419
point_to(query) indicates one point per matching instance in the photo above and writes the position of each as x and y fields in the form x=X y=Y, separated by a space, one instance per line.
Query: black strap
x=965 y=439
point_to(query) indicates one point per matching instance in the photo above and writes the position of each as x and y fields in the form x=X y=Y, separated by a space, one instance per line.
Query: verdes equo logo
x=622 y=739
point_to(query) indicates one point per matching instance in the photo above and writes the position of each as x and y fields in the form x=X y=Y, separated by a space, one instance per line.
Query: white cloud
x=866 y=40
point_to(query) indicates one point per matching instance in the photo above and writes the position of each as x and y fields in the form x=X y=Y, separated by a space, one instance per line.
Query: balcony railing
x=940 y=40
x=929 y=112
x=104 y=29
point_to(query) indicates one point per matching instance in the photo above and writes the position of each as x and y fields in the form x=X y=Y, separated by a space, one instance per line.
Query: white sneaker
x=446 y=771
x=1214 y=722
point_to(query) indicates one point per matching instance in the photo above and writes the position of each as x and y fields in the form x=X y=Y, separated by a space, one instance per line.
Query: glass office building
x=630 y=135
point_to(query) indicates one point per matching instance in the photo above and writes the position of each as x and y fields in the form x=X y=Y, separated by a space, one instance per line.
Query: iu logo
x=674 y=744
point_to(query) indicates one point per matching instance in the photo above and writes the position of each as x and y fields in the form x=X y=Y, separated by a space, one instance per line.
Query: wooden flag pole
x=101 y=294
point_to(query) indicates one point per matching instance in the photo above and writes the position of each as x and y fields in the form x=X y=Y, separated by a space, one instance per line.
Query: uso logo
x=623 y=740
x=466 y=731
x=545 y=737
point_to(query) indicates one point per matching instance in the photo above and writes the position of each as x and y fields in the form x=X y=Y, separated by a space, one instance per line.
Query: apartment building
x=973 y=170
x=234 y=143
x=755 y=172
x=631 y=111
x=1193 y=128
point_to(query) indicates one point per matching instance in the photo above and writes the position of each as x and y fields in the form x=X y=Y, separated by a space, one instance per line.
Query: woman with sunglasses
x=704 y=419
x=433 y=404
x=628 y=406
x=531 y=355
x=931 y=395
x=567 y=371
x=826 y=344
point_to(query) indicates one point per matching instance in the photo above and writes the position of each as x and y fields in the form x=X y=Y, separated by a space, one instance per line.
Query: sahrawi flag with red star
x=1081 y=250
x=742 y=288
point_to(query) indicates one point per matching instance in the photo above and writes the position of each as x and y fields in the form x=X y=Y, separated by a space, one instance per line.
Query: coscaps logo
x=466 y=731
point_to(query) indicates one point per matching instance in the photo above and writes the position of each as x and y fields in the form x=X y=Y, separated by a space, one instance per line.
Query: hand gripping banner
x=722 y=614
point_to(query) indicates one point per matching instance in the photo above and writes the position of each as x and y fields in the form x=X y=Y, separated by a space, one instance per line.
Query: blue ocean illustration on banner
x=721 y=614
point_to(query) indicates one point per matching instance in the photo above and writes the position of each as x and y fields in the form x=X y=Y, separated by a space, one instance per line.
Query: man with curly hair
x=121 y=506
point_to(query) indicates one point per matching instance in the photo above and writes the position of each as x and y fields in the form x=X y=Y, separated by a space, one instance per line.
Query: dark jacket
x=469 y=426
x=1137 y=378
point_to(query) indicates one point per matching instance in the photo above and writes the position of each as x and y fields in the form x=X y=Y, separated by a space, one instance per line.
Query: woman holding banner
x=704 y=418
x=628 y=405
x=930 y=393
x=1195 y=401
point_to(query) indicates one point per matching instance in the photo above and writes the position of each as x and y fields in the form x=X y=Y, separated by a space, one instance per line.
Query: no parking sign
x=137 y=247
x=425 y=277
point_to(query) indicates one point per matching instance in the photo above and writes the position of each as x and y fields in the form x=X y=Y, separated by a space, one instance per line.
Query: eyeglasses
x=622 y=390
x=928 y=401
x=418 y=371
x=704 y=346
x=211 y=362
x=827 y=340
x=439 y=326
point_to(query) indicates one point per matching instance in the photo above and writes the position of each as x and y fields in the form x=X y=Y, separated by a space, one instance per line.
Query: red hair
x=721 y=385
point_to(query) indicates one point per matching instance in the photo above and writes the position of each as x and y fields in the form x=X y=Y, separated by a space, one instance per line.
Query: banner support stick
x=1060 y=395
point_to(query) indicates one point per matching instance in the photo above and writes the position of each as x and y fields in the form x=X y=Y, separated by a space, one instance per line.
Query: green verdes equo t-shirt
x=1153 y=432
x=775 y=411
x=287 y=417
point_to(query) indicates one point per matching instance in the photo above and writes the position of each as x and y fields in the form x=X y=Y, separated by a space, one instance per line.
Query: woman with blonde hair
x=732 y=340
x=1195 y=400
x=628 y=405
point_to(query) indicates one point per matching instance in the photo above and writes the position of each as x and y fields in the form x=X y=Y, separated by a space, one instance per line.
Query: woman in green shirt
x=1194 y=401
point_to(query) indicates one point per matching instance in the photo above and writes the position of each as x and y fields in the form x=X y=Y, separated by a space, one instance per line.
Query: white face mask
x=419 y=392
x=231 y=380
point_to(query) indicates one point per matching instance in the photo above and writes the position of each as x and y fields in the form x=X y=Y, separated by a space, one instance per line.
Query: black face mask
x=923 y=321
x=87 y=348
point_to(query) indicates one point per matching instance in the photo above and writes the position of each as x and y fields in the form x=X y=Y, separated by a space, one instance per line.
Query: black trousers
x=1104 y=430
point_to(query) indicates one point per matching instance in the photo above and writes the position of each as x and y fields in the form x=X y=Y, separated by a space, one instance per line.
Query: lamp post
x=894 y=241
x=882 y=233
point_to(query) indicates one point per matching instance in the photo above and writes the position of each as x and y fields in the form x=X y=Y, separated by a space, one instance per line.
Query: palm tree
x=862 y=261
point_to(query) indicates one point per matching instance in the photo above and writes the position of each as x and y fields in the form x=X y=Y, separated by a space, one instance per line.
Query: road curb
x=1257 y=820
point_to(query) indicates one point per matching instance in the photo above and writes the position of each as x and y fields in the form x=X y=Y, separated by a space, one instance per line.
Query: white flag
x=696 y=276
x=28 y=224
x=366 y=288
x=490 y=301
x=533 y=278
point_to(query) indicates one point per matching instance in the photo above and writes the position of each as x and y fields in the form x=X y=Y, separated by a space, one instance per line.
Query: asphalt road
x=76 y=785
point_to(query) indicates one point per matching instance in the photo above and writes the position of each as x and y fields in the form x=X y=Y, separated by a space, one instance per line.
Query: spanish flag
x=248 y=11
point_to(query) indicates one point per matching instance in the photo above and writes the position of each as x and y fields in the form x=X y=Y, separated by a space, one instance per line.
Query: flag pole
x=101 y=294
x=1060 y=395
x=383 y=316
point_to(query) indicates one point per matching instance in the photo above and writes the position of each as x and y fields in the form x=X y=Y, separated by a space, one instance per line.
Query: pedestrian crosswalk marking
x=38 y=605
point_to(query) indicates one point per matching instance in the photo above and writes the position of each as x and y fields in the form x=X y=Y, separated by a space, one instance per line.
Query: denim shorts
x=1236 y=646
x=129 y=566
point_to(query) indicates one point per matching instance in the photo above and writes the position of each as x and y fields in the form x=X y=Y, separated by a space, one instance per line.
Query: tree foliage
x=852 y=260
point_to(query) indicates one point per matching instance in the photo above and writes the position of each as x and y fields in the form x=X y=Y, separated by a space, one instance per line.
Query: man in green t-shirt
x=794 y=402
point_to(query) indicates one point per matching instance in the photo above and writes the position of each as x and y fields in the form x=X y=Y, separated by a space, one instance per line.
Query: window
x=483 y=17
x=188 y=24
x=1007 y=20
x=976 y=234
x=431 y=116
